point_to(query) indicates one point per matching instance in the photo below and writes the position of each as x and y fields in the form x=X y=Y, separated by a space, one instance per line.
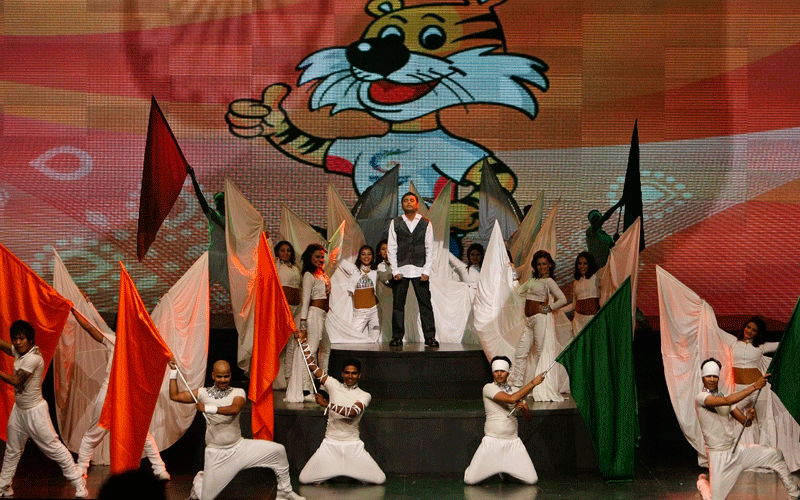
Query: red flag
x=273 y=324
x=24 y=295
x=164 y=171
x=140 y=362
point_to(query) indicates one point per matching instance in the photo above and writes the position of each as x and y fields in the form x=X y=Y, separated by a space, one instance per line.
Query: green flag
x=601 y=377
x=784 y=380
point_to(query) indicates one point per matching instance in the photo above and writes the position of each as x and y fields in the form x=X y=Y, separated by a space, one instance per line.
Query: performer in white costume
x=313 y=310
x=289 y=276
x=501 y=450
x=363 y=287
x=342 y=451
x=30 y=416
x=585 y=292
x=95 y=433
x=226 y=451
x=714 y=411
x=540 y=326
x=384 y=291
x=774 y=426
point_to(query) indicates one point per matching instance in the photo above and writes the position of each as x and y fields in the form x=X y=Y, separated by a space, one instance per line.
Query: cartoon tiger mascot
x=410 y=63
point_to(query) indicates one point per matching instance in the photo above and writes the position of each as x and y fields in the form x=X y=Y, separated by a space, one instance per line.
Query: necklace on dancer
x=715 y=392
x=505 y=387
x=217 y=393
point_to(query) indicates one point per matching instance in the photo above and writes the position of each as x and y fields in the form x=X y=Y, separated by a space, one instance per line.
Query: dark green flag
x=632 y=192
x=601 y=377
x=784 y=380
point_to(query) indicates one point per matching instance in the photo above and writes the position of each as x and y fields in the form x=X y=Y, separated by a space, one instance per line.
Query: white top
x=586 y=288
x=315 y=287
x=340 y=427
x=747 y=356
x=30 y=394
x=498 y=423
x=360 y=280
x=537 y=289
x=411 y=271
x=715 y=423
x=472 y=275
x=222 y=431
x=288 y=275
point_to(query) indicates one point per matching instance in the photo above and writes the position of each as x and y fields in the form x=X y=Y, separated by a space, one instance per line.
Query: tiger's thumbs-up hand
x=250 y=118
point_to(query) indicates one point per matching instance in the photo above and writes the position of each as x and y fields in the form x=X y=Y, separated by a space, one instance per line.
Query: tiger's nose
x=383 y=56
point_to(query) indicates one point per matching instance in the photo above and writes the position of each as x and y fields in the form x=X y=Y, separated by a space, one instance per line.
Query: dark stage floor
x=671 y=478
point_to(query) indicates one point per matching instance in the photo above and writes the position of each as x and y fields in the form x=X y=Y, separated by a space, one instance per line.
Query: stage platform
x=427 y=414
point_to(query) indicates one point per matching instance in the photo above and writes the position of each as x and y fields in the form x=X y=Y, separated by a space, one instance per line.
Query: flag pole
x=513 y=410
x=744 y=425
x=190 y=392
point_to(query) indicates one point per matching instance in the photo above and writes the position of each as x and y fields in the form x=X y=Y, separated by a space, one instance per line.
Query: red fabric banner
x=164 y=171
x=140 y=362
x=274 y=324
x=27 y=296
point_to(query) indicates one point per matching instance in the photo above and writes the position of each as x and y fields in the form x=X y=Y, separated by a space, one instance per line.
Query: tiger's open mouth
x=386 y=92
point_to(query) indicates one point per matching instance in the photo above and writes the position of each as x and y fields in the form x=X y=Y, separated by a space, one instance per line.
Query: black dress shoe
x=396 y=343
x=431 y=342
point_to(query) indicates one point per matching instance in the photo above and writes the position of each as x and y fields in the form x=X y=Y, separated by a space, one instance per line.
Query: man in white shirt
x=30 y=416
x=342 y=451
x=226 y=451
x=715 y=412
x=501 y=450
x=410 y=251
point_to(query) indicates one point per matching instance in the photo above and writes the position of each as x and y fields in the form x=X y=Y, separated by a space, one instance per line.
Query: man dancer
x=714 y=411
x=410 y=252
x=226 y=451
x=501 y=450
x=342 y=451
x=30 y=416
x=94 y=434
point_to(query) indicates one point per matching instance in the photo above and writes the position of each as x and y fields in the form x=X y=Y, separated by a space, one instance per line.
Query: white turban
x=500 y=364
x=710 y=368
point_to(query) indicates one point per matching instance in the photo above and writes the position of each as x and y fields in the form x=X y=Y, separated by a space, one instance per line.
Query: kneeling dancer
x=342 y=451
x=725 y=463
x=30 y=415
x=501 y=450
x=226 y=451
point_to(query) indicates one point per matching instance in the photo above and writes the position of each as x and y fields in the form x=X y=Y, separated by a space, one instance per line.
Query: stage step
x=413 y=371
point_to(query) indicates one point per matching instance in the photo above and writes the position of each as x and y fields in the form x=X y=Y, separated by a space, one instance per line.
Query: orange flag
x=140 y=362
x=163 y=173
x=273 y=324
x=24 y=295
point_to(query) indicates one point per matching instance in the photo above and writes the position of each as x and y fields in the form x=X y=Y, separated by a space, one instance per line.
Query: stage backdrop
x=549 y=91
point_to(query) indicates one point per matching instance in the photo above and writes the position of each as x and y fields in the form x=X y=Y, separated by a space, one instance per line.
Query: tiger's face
x=412 y=61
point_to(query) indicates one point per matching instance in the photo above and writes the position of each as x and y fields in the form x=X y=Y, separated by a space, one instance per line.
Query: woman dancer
x=475 y=258
x=364 y=279
x=384 y=291
x=313 y=310
x=539 y=327
x=289 y=276
x=774 y=426
x=585 y=292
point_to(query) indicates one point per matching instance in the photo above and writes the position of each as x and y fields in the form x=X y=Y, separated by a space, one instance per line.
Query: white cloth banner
x=689 y=334
x=79 y=367
x=521 y=241
x=495 y=204
x=182 y=319
x=545 y=240
x=243 y=227
x=498 y=311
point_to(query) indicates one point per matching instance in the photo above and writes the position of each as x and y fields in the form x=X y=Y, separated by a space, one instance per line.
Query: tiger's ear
x=486 y=3
x=378 y=8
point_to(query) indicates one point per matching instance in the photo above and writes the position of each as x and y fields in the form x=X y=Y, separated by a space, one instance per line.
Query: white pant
x=342 y=458
x=94 y=434
x=496 y=455
x=222 y=464
x=724 y=468
x=318 y=340
x=366 y=321
x=579 y=321
x=34 y=423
